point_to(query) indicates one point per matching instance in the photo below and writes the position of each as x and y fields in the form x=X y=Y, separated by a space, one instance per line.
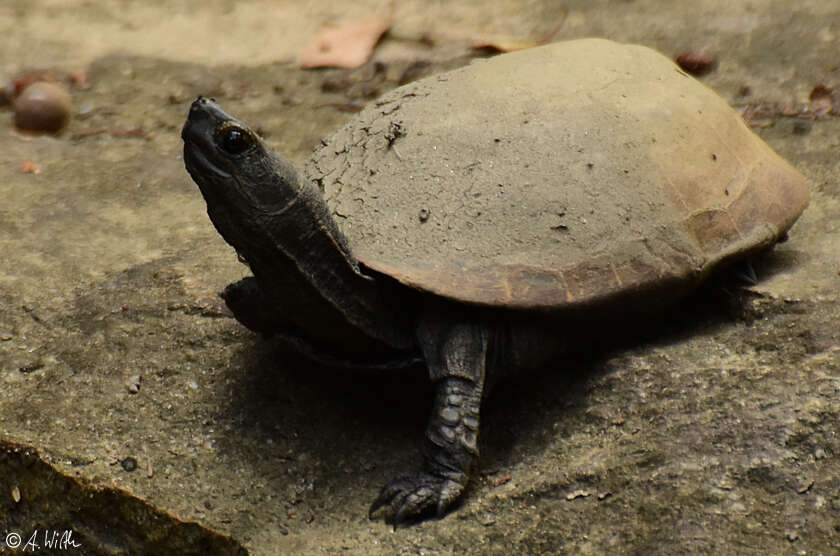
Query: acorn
x=42 y=107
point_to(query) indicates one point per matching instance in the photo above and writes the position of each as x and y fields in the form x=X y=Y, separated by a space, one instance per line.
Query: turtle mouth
x=200 y=151
x=198 y=163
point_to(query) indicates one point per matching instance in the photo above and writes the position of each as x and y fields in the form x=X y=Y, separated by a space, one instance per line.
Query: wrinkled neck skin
x=303 y=263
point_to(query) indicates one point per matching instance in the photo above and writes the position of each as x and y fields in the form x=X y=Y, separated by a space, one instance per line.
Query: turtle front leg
x=456 y=357
x=250 y=306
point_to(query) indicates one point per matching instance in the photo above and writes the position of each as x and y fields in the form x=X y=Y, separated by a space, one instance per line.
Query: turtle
x=467 y=219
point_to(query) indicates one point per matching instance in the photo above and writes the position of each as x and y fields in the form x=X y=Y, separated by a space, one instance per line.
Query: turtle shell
x=565 y=175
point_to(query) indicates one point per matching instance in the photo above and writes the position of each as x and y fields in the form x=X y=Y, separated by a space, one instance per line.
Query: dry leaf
x=510 y=43
x=505 y=43
x=504 y=479
x=29 y=167
x=130 y=133
x=822 y=101
x=348 y=45
x=79 y=79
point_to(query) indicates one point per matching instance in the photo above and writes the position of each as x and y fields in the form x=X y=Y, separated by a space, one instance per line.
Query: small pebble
x=696 y=63
x=32 y=366
x=129 y=464
x=580 y=493
x=487 y=519
x=42 y=107
x=16 y=494
x=133 y=384
x=424 y=215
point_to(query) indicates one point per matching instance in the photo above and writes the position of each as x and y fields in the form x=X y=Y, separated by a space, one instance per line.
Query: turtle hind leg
x=450 y=454
x=455 y=355
x=251 y=307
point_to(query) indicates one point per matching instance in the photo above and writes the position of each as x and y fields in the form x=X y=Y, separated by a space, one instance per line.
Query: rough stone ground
x=713 y=430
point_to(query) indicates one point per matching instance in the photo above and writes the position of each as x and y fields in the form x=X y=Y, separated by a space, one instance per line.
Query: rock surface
x=712 y=430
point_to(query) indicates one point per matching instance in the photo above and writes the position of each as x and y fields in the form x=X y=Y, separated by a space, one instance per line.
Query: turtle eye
x=234 y=140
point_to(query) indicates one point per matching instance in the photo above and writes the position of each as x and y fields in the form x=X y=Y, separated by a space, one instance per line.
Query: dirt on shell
x=570 y=175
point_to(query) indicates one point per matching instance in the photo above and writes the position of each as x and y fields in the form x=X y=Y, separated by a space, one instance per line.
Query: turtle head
x=283 y=228
x=246 y=185
x=232 y=166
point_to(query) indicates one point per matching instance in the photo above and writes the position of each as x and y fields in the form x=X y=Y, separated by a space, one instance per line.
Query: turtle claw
x=413 y=498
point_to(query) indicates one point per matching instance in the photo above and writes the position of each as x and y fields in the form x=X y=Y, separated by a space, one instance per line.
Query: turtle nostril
x=200 y=104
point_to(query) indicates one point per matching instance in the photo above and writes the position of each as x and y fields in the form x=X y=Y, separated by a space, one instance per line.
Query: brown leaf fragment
x=79 y=79
x=26 y=78
x=88 y=132
x=806 y=487
x=29 y=167
x=820 y=91
x=347 y=45
x=499 y=481
x=504 y=43
x=822 y=101
x=130 y=133
x=509 y=43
